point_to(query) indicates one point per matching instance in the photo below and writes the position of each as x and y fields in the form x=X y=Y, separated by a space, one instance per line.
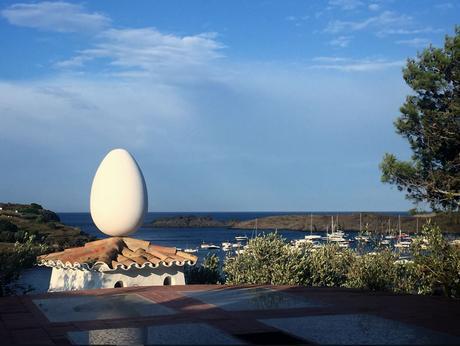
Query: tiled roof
x=117 y=252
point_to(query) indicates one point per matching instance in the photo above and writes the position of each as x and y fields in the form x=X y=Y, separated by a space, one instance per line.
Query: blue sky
x=226 y=105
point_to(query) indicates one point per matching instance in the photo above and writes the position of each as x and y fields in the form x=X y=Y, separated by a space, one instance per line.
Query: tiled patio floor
x=207 y=314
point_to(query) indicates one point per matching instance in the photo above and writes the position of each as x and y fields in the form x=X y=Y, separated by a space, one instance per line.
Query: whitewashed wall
x=78 y=279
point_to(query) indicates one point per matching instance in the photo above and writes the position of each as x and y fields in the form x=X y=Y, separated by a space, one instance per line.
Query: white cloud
x=107 y=111
x=391 y=31
x=341 y=41
x=298 y=20
x=354 y=65
x=386 y=19
x=415 y=42
x=374 y=7
x=55 y=16
x=329 y=59
x=149 y=50
x=346 y=4
x=214 y=132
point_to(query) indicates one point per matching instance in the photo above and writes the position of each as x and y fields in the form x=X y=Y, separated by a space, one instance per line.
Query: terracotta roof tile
x=111 y=253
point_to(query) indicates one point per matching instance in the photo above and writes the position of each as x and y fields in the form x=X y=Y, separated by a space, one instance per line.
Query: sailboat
x=336 y=235
x=335 y=232
x=403 y=241
x=389 y=236
x=312 y=237
x=361 y=237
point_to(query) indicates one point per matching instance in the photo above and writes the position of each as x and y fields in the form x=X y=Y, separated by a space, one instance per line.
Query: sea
x=38 y=277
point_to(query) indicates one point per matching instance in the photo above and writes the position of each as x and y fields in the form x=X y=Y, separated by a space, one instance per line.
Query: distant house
x=116 y=262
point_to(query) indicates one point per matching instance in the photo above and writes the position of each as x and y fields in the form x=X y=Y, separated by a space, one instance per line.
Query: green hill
x=20 y=221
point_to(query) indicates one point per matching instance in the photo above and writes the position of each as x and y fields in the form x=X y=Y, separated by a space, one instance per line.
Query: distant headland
x=371 y=221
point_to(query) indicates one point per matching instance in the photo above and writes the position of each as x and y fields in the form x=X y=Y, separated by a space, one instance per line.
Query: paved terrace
x=209 y=314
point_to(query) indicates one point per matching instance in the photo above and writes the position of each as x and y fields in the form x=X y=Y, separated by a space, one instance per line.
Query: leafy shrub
x=14 y=261
x=437 y=264
x=329 y=265
x=266 y=260
x=373 y=271
x=206 y=273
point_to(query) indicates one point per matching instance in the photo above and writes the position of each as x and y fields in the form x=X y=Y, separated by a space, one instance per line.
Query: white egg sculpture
x=118 y=201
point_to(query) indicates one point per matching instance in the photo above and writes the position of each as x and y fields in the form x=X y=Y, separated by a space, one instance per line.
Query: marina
x=223 y=242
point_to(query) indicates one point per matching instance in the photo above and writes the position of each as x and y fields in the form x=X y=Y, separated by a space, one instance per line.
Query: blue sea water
x=194 y=237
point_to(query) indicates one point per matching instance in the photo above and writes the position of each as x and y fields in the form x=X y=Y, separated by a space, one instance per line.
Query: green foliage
x=329 y=265
x=435 y=266
x=270 y=260
x=266 y=260
x=7 y=226
x=430 y=121
x=7 y=237
x=29 y=210
x=47 y=216
x=14 y=261
x=206 y=273
x=437 y=263
x=373 y=271
x=36 y=206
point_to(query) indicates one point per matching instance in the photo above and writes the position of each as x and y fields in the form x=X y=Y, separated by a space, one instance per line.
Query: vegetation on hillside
x=19 y=221
x=27 y=231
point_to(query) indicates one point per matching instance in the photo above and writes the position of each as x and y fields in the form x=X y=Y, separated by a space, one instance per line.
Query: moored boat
x=206 y=246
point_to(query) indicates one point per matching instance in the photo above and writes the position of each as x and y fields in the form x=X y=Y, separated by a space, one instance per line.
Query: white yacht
x=241 y=237
x=209 y=246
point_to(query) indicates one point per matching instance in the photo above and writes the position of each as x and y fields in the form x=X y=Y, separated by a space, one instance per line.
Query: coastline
x=371 y=221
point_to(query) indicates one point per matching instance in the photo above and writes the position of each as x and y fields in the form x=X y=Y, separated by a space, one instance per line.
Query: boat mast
x=399 y=225
x=311 y=223
x=360 y=223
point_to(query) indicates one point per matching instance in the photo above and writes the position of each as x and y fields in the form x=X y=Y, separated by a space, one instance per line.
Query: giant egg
x=118 y=201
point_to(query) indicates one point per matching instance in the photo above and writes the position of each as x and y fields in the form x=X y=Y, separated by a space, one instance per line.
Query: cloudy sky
x=226 y=105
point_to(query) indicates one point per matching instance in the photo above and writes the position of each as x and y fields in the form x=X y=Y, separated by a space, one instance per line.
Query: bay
x=38 y=277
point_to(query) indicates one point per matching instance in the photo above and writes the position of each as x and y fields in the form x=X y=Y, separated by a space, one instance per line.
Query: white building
x=116 y=262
